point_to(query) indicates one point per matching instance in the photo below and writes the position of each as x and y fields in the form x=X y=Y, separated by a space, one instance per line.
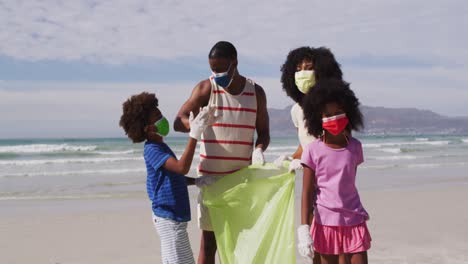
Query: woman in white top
x=302 y=68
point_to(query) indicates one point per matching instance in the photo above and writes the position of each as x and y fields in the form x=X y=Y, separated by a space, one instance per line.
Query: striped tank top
x=227 y=145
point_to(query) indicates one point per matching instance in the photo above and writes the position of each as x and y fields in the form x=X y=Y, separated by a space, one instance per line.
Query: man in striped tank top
x=228 y=145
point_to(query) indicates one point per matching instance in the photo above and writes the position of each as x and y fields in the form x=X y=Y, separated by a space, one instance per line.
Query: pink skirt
x=335 y=240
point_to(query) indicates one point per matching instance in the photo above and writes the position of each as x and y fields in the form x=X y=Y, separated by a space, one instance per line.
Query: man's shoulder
x=203 y=87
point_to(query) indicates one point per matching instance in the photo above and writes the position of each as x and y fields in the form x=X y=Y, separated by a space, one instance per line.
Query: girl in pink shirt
x=332 y=216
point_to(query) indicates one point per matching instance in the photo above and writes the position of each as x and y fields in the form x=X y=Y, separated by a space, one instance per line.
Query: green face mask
x=304 y=80
x=162 y=125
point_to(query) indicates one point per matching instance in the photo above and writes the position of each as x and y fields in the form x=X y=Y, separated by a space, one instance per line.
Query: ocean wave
x=437 y=165
x=421 y=139
x=465 y=140
x=66 y=161
x=402 y=157
x=112 y=153
x=391 y=150
x=293 y=148
x=73 y=172
x=46 y=148
x=389 y=144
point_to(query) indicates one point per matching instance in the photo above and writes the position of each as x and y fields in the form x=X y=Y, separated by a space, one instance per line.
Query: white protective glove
x=199 y=123
x=305 y=242
x=294 y=165
x=279 y=161
x=257 y=157
x=205 y=181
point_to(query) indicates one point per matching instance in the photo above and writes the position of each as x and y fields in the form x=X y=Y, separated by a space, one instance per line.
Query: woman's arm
x=298 y=153
x=308 y=193
x=182 y=166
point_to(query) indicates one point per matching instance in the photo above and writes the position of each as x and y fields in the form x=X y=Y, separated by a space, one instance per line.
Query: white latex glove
x=279 y=161
x=305 y=243
x=204 y=181
x=295 y=164
x=257 y=157
x=199 y=123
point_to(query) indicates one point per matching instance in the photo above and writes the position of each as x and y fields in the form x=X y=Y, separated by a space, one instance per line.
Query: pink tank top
x=227 y=145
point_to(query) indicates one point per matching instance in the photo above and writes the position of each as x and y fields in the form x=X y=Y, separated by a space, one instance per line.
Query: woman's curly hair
x=331 y=91
x=325 y=66
x=289 y=69
x=136 y=113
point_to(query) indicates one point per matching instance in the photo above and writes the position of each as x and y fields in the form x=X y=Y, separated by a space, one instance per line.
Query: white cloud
x=121 y=30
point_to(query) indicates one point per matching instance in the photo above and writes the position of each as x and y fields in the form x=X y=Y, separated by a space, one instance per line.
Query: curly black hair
x=331 y=91
x=288 y=70
x=325 y=66
x=136 y=113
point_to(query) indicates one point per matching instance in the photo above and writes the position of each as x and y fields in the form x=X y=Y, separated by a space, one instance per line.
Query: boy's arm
x=182 y=166
x=197 y=124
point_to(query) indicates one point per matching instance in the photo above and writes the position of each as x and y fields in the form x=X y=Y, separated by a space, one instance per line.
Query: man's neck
x=237 y=85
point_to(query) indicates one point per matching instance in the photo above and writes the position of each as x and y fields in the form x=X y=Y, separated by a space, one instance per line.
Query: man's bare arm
x=263 y=121
x=199 y=98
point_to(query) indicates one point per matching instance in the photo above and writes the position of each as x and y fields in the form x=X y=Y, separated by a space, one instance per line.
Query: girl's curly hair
x=330 y=91
x=325 y=66
x=136 y=113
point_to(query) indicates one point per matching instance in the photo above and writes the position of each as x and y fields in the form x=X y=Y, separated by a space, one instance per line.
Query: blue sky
x=66 y=66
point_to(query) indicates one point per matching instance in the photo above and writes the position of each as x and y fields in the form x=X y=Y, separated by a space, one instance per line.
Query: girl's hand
x=294 y=165
x=305 y=242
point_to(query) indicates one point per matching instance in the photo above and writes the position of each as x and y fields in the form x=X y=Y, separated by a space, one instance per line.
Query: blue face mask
x=222 y=79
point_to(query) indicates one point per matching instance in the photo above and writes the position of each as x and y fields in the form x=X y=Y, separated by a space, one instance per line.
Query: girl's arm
x=182 y=166
x=308 y=193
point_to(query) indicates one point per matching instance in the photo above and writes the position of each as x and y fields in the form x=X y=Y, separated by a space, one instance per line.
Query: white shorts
x=175 y=244
x=204 y=220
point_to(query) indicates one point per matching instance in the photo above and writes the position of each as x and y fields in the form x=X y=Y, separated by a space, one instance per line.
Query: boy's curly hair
x=330 y=91
x=325 y=67
x=136 y=112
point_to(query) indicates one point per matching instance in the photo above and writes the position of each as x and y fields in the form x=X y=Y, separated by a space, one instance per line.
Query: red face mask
x=335 y=124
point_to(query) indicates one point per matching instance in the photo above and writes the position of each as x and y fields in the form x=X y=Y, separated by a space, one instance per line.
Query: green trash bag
x=252 y=214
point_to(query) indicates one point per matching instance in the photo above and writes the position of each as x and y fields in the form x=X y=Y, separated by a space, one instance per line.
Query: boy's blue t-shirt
x=167 y=190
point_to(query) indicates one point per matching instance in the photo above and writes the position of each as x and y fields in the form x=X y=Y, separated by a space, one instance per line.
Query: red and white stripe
x=227 y=145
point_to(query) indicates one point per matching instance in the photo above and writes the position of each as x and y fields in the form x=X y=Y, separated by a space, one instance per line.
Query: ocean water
x=94 y=168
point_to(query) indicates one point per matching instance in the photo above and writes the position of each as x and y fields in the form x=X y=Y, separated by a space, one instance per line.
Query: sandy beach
x=408 y=225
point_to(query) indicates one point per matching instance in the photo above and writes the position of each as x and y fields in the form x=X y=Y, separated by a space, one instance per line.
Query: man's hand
x=205 y=181
x=257 y=157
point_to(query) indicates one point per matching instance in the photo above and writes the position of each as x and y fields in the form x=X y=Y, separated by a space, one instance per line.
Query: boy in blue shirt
x=166 y=185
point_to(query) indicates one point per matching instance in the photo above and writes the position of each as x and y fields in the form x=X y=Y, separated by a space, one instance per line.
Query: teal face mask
x=162 y=126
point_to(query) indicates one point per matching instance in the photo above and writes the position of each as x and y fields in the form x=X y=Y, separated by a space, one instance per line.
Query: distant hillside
x=382 y=120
